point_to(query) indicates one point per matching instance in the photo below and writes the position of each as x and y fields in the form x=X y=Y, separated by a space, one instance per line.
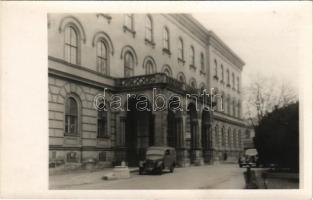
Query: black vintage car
x=249 y=159
x=157 y=159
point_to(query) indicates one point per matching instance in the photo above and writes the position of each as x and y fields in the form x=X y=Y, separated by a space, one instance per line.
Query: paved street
x=226 y=176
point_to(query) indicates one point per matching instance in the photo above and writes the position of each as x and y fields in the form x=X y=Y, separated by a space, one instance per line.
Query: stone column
x=183 y=131
x=199 y=134
x=182 y=154
x=160 y=128
x=198 y=150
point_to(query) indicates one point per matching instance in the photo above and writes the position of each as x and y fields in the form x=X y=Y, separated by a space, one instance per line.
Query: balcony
x=154 y=80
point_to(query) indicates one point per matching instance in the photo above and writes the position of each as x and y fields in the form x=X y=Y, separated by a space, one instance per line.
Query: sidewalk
x=81 y=177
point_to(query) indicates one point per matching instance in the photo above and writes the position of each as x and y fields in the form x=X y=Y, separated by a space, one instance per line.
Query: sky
x=266 y=37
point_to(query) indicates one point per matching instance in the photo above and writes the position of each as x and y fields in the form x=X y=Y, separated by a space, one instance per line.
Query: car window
x=154 y=152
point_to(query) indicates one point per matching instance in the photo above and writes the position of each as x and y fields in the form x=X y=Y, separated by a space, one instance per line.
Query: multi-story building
x=143 y=55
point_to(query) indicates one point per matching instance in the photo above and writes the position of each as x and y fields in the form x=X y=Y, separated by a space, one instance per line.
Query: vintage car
x=158 y=158
x=249 y=159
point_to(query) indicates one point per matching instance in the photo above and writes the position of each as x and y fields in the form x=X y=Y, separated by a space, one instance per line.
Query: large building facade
x=143 y=55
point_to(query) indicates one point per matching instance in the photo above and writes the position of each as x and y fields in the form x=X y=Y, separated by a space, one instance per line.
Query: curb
x=134 y=170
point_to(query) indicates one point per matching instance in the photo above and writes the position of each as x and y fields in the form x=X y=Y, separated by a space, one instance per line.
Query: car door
x=167 y=158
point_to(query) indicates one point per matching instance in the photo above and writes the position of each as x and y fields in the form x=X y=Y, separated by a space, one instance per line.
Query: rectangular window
x=102 y=124
x=128 y=21
x=73 y=55
x=70 y=124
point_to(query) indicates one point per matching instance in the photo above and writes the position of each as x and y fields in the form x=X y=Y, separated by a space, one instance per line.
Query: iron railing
x=157 y=79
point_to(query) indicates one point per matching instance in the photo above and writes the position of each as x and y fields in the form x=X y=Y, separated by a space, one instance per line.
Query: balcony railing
x=157 y=79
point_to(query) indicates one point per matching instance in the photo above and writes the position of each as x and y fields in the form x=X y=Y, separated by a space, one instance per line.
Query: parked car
x=249 y=159
x=158 y=158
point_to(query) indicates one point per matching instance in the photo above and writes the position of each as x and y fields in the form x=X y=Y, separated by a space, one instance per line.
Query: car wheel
x=159 y=171
x=172 y=168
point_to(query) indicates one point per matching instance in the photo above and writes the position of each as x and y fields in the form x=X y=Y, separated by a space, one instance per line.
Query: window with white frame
x=192 y=56
x=222 y=73
x=71 y=116
x=228 y=77
x=216 y=136
x=238 y=84
x=102 y=121
x=181 y=49
x=223 y=137
x=149 y=67
x=202 y=62
x=149 y=29
x=229 y=137
x=102 y=57
x=215 y=68
x=166 y=39
x=129 y=21
x=128 y=64
x=71 y=45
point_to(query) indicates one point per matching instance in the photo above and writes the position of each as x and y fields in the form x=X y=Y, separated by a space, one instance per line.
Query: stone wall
x=85 y=144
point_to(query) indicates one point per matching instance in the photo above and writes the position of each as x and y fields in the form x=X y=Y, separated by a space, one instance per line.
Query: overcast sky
x=266 y=37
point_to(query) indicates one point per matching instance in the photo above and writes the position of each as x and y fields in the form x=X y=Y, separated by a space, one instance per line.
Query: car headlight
x=159 y=163
x=141 y=163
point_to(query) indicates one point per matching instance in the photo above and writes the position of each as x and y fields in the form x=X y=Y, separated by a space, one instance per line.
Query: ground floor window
x=71 y=116
x=102 y=122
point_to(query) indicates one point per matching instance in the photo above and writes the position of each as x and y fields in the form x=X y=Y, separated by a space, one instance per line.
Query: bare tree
x=263 y=95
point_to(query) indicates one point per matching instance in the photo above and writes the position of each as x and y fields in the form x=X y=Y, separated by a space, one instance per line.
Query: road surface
x=222 y=176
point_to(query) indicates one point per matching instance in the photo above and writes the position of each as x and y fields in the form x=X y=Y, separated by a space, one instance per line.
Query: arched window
x=181 y=49
x=228 y=79
x=181 y=77
x=234 y=108
x=102 y=57
x=216 y=136
x=149 y=67
x=238 y=84
x=239 y=138
x=229 y=134
x=167 y=70
x=166 y=39
x=149 y=28
x=129 y=21
x=222 y=73
x=228 y=104
x=223 y=137
x=193 y=83
x=234 y=138
x=71 y=116
x=192 y=56
x=222 y=101
x=202 y=62
x=215 y=68
x=128 y=64
x=102 y=121
x=71 y=45
x=239 y=109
